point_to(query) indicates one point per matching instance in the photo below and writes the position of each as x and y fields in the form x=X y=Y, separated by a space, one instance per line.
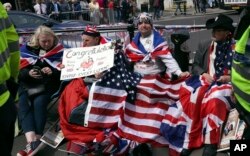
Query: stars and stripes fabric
x=107 y=96
x=223 y=57
x=52 y=57
x=136 y=51
x=142 y=118
x=105 y=103
x=195 y=119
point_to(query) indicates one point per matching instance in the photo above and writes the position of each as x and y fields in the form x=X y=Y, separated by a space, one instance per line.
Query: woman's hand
x=46 y=71
x=208 y=77
x=35 y=73
x=61 y=66
x=224 y=79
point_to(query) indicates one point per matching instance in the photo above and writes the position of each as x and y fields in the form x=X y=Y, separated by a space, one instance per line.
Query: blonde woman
x=95 y=13
x=39 y=78
x=7 y=6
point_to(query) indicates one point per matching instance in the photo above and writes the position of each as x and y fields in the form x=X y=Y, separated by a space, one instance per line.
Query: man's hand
x=208 y=77
x=99 y=75
x=184 y=74
x=224 y=79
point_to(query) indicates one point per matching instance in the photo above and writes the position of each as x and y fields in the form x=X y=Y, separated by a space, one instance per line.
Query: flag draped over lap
x=101 y=105
x=201 y=109
x=109 y=94
x=142 y=118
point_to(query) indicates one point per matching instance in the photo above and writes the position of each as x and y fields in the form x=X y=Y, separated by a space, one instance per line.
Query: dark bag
x=36 y=90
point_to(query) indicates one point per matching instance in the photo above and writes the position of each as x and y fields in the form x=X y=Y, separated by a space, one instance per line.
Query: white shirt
x=159 y=65
x=40 y=7
x=211 y=68
x=147 y=43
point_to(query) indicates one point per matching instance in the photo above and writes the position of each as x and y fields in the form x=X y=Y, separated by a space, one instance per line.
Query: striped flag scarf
x=52 y=57
x=136 y=51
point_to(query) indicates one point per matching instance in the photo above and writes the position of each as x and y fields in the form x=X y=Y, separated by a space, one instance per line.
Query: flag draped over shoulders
x=52 y=57
x=136 y=51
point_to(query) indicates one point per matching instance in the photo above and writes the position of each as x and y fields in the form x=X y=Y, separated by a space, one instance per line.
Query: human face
x=8 y=7
x=46 y=41
x=145 y=28
x=220 y=34
x=88 y=41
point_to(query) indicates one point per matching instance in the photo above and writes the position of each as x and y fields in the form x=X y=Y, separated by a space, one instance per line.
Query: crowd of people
x=142 y=104
x=109 y=11
x=96 y=11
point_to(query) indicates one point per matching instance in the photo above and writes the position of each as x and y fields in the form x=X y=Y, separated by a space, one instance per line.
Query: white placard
x=85 y=61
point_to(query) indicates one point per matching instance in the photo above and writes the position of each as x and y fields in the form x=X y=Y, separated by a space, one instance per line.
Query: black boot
x=142 y=150
x=210 y=150
x=186 y=152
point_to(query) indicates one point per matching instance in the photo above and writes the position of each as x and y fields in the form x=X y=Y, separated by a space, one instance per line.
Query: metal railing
x=102 y=16
x=72 y=37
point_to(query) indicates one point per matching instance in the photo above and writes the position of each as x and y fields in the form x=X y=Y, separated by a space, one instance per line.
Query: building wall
x=167 y=3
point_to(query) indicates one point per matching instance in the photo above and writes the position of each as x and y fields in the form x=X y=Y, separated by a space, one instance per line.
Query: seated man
x=196 y=119
x=83 y=115
x=158 y=88
x=149 y=53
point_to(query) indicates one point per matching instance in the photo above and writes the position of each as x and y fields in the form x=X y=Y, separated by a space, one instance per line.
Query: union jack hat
x=91 y=31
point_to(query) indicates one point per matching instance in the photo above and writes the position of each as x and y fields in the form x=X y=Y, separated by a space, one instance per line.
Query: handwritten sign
x=85 y=61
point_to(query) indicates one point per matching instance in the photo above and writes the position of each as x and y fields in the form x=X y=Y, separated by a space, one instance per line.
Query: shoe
x=31 y=148
x=210 y=150
x=142 y=149
x=186 y=152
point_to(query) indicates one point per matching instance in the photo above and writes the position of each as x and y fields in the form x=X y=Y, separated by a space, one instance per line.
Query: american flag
x=52 y=57
x=137 y=104
x=201 y=110
x=108 y=95
x=142 y=118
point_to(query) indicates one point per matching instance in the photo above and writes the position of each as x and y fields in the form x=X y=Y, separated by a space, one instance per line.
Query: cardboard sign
x=85 y=61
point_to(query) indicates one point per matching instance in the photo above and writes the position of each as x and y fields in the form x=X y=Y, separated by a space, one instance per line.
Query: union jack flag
x=52 y=57
x=195 y=119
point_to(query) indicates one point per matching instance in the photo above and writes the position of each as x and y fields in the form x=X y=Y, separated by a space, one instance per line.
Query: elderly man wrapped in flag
x=205 y=98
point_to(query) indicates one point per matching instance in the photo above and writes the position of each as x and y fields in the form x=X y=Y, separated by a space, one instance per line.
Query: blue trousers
x=32 y=111
x=7 y=126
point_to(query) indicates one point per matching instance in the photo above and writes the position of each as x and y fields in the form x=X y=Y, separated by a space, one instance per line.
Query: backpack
x=72 y=106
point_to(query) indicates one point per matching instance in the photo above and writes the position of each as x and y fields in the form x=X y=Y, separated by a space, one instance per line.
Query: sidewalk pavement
x=190 y=12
